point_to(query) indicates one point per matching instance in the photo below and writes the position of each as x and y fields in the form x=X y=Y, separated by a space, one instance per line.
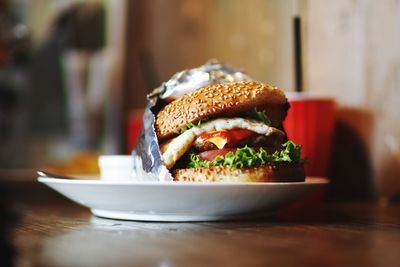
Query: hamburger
x=229 y=132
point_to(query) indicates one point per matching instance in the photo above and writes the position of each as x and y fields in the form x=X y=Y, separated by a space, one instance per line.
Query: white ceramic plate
x=181 y=201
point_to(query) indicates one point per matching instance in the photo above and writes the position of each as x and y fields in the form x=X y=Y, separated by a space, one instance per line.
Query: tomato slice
x=210 y=155
x=230 y=137
x=239 y=134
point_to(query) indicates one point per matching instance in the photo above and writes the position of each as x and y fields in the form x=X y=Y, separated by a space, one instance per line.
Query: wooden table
x=53 y=231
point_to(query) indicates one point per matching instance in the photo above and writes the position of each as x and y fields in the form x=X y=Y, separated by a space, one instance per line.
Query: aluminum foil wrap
x=147 y=155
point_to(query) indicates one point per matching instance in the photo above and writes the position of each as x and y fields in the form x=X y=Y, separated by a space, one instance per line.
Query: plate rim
x=310 y=180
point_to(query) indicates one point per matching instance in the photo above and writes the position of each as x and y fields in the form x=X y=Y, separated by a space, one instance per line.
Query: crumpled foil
x=147 y=155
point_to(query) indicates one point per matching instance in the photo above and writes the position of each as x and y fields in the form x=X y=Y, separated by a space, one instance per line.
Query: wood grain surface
x=57 y=232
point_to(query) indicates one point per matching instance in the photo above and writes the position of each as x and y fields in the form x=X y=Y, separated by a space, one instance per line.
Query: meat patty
x=273 y=141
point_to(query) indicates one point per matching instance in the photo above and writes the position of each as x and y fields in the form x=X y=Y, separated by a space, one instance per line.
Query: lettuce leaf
x=248 y=157
x=259 y=115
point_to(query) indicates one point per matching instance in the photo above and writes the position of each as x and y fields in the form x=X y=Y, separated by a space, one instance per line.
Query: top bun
x=221 y=100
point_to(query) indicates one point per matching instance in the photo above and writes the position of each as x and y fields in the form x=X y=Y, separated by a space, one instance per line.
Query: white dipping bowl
x=116 y=167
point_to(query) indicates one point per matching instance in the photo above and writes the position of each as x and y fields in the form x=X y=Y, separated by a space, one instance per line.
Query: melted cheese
x=177 y=147
x=218 y=141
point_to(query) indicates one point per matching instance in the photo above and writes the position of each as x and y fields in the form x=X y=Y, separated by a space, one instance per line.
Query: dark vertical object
x=135 y=80
x=298 y=68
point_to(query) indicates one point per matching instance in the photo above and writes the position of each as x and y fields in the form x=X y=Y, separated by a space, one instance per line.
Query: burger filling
x=235 y=142
x=235 y=138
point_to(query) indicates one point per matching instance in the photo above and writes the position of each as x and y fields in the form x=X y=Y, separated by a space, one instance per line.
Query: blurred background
x=74 y=75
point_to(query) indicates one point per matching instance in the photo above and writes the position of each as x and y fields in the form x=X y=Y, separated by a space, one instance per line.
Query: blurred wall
x=169 y=36
x=254 y=36
x=352 y=54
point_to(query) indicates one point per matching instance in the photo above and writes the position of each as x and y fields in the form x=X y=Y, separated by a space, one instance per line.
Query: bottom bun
x=273 y=172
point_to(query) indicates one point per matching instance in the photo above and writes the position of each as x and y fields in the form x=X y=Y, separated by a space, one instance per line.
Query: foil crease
x=147 y=153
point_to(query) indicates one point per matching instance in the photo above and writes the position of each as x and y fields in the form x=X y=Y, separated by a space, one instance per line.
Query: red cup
x=310 y=122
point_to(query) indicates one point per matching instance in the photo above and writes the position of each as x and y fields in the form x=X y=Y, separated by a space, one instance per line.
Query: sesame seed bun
x=221 y=100
x=273 y=172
